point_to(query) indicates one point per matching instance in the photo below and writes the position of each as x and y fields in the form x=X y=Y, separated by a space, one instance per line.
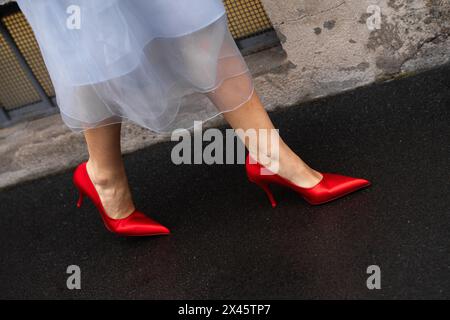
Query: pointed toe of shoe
x=345 y=183
x=162 y=230
x=365 y=183
x=139 y=225
x=358 y=183
x=151 y=228
x=334 y=186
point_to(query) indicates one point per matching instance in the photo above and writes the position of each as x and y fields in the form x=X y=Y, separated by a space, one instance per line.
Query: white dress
x=159 y=63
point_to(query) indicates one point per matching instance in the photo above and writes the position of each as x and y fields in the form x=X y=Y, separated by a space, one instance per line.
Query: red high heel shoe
x=136 y=224
x=331 y=187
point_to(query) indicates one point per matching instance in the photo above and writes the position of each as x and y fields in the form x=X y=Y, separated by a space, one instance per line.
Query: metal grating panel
x=22 y=34
x=246 y=18
x=15 y=88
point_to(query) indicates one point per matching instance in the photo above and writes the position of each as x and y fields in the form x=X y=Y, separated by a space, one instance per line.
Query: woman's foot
x=113 y=190
x=330 y=187
x=292 y=168
x=299 y=173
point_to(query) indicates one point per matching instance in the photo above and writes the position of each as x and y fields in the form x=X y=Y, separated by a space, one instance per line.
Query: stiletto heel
x=331 y=187
x=265 y=187
x=80 y=199
x=136 y=224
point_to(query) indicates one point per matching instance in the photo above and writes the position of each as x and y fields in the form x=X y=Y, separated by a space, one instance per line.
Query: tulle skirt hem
x=119 y=119
x=178 y=80
x=162 y=64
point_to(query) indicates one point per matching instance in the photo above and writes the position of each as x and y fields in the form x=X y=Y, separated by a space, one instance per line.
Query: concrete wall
x=330 y=47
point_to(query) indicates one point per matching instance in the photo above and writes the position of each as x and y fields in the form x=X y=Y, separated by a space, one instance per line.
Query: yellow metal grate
x=246 y=17
x=23 y=36
x=15 y=88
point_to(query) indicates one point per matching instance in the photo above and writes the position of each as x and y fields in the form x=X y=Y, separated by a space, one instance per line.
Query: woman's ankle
x=104 y=177
x=298 y=172
x=113 y=190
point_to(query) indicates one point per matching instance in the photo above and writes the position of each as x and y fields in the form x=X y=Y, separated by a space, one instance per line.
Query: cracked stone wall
x=337 y=45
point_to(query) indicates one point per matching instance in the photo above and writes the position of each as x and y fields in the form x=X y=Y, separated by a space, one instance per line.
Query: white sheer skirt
x=160 y=63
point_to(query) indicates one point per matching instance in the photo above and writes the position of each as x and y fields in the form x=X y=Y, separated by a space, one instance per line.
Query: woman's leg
x=106 y=170
x=252 y=115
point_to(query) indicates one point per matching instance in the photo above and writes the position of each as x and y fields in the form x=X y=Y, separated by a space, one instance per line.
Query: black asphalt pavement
x=228 y=242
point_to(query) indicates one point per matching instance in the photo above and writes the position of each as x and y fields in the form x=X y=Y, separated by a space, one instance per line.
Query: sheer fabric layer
x=160 y=63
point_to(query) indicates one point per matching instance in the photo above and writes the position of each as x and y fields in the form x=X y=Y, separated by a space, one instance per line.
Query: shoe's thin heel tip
x=80 y=200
